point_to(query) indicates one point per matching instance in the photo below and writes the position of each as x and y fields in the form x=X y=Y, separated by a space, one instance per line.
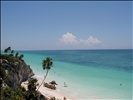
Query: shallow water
x=88 y=74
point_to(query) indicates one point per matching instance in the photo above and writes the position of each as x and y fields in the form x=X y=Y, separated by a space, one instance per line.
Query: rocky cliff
x=14 y=71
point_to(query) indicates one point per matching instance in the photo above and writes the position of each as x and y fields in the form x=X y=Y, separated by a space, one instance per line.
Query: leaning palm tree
x=46 y=64
x=7 y=49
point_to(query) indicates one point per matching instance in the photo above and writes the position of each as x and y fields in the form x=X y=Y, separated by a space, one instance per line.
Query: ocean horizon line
x=67 y=49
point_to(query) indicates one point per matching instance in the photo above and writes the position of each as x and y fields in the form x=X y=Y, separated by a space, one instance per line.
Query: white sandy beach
x=47 y=92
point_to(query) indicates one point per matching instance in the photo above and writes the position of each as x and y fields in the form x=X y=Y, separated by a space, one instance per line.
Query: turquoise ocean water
x=88 y=74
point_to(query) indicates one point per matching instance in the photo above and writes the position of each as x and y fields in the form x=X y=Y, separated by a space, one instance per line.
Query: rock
x=49 y=86
x=17 y=72
x=1 y=61
x=16 y=63
x=4 y=61
x=7 y=66
x=53 y=83
x=6 y=71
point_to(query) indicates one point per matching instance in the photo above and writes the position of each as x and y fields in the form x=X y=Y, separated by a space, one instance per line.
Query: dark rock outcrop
x=51 y=86
x=15 y=72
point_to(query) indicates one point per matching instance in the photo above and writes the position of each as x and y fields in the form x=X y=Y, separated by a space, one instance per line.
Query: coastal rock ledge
x=14 y=72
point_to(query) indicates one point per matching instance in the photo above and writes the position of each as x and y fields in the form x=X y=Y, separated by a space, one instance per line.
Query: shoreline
x=95 y=82
x=46 y=91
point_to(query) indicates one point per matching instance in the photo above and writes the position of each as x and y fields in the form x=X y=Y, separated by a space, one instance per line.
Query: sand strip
x=47 y=92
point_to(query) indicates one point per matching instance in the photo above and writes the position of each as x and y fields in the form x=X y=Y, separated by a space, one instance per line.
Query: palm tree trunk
x=43 y=80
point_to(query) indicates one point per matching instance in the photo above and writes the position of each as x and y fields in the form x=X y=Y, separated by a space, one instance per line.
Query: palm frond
x=47 y=63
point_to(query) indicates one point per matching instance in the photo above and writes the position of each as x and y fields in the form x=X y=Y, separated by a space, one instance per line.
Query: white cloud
x=90 y=41
x=68 y=38
x=71 y=40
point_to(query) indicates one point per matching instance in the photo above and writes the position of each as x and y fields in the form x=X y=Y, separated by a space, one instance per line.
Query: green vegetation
x=7 y=72
x=12 y=52
x=32 y=84
x=8 y=92
x=16 y=55
x=21 y=56
x=21 y=94
x=47 y=64
x=10 y=56
x=7 y=50
x=53 y=98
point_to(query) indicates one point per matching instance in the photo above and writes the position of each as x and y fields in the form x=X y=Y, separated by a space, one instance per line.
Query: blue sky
x=56 y=25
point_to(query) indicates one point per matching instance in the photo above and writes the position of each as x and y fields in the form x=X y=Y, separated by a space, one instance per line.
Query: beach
x=46 y=91
x=86 y=47
x=105 y=74
x=49 y=93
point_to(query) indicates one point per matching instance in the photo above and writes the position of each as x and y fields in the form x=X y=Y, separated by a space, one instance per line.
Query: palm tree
x=16 y=55
x=46 y=64
x=7 y=49
x=21 y=56
x=12 y=52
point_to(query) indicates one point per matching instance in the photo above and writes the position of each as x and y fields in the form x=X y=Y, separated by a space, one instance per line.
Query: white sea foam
x=38 y=75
